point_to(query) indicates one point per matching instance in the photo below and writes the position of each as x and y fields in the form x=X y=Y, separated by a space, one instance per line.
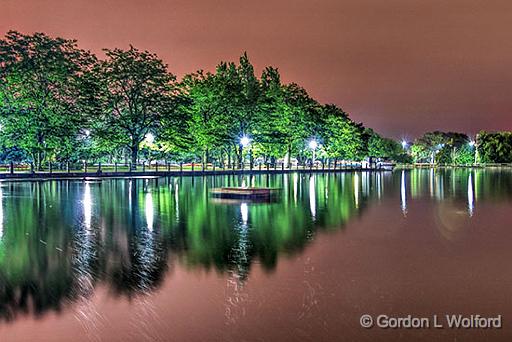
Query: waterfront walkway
x=99 y=172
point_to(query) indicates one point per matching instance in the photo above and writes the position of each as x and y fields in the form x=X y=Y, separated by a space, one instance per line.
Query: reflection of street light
x=313 y=145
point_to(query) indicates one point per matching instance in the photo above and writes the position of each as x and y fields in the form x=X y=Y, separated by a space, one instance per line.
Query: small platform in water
x=244 y=193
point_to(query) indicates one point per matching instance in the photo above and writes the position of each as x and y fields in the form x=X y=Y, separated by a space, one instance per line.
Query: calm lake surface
x=158 y=260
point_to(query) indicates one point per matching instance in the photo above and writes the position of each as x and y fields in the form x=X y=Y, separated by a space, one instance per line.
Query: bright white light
x=472 y=143
x=150 y=138
x=148 y=209
x=244 y=210
x=295 y=186
x=312 y=197
x=245 y=141
x=403 y=194
x=313 y=144
x=87 y=132
x=87 y=203
x=404 y=144
x=471 y=198
x=356 y=189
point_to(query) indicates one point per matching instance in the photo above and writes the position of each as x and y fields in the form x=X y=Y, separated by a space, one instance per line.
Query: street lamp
x=313 y=144
x=244 y=141
x=150 y=138
x=472 y=144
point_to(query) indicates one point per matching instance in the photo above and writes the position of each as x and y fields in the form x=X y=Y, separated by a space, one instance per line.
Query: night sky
x=400 y=66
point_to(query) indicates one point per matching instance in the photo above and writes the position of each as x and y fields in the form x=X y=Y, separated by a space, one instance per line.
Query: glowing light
x=403 y=196
x=379 y=186
x=87 y=132
x=472 y=143
x=312 y=197
x=245 y=141
x=431 y=182
x=295 y=186
x=130 y=193
x=471 y=198
x=244 y=210
x=176 y=200
x=148 y=209
x=356 y=189
x=404 y=144
x=87 y=202
x=150 y=138
x=313 y=144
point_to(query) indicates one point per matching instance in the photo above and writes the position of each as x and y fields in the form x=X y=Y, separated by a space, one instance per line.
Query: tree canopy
x=39 y=79
x=61 y=103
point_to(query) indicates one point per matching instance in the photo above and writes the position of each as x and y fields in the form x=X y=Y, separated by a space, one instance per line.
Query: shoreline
x=45 y=176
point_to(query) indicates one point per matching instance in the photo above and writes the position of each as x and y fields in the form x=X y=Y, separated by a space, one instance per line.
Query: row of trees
x=457 y=148
x=61 y=103
x=443 y=148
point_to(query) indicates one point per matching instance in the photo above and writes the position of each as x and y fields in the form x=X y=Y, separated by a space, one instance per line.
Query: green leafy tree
x=438 y=147
x=39 y=78
x=208 y=120
x=128 y=95
x=495 y=147
x=378 y=146
x=240 y=93
x=343 y=138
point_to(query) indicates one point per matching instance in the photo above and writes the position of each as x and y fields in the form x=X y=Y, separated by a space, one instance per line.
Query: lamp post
x=149 y=137
x=313 y=144
x=472 y=144
x=244 y=142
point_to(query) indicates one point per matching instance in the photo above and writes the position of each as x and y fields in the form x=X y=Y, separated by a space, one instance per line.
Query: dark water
x=158 y=260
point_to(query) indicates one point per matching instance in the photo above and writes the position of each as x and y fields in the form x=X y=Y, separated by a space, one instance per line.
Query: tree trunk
x=205 y=156
x=240 y=157
x=39 y=161
x=289 y=156
x=134 y=154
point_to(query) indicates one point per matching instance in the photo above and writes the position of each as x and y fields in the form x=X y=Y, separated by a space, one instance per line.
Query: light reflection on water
x=59 y=240
x=403 y=194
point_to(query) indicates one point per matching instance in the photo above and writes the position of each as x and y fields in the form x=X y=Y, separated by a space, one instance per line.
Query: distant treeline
x=457 y=148
x=61 y=103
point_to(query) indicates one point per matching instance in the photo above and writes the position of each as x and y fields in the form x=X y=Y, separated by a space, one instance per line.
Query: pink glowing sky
x=400 y=66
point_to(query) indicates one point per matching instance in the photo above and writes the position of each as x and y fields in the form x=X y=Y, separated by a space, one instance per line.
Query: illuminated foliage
x=495 y=147
x=128 y=95
x=39 y=78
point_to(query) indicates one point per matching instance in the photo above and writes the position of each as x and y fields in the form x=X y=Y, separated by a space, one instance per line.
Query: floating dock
x=245 y=193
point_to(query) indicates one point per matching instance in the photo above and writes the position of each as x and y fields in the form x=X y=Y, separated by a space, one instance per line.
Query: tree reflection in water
x=60 y=239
